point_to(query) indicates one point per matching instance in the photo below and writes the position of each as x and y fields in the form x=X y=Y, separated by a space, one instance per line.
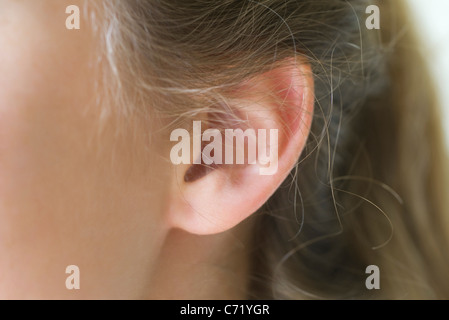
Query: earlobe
x=244 y=166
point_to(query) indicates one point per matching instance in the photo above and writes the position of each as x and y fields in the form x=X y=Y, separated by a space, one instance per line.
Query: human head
x=85 y=126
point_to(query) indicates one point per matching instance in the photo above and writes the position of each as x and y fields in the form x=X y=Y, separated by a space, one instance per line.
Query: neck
x=194 y=267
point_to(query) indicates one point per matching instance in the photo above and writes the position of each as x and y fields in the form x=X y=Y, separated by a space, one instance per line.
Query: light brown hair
x=369 y=187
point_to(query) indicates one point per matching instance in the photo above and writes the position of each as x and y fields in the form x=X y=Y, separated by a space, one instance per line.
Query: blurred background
x=432 y=24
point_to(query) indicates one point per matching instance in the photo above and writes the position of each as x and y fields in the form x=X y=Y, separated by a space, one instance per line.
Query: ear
x=277 y=108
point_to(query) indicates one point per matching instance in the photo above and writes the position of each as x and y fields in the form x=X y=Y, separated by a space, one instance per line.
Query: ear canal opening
x=198 y=171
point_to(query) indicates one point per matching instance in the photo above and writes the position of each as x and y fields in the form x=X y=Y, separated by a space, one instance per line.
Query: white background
x=432 y=22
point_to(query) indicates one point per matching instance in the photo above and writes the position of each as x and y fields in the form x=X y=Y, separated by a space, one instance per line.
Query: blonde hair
x=369 y=187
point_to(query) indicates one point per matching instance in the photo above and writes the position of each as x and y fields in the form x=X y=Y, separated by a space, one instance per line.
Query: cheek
x=56 y=206
x=67 y=195
x=44 y=88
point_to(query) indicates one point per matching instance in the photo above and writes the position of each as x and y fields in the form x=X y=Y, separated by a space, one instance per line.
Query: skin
x=62 y=200
x=80 y=189
x=72 y=195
